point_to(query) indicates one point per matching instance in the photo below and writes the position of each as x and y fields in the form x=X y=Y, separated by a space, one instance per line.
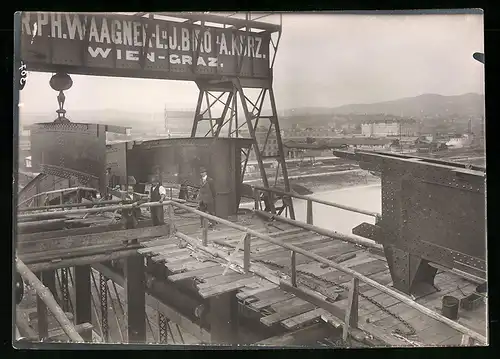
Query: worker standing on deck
x=183 y=192
x=109 y=183
x=207 y=195
x=157 y=194
x=130 y=217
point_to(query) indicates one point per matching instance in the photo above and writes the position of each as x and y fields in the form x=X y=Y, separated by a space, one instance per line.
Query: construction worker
x=157 y=194
x=207 y=195
x=130 y=217
x=183 y=192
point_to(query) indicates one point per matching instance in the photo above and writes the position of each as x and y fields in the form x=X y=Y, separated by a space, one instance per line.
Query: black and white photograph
x=250 y=179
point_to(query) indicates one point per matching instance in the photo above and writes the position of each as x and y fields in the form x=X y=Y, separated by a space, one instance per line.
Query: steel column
x=83 y=298
x=41 y=311
x=162 y=328
x=135 y=287
x=103 y=293
x=223 y=318
x=275 y=121
x=251 y=130
x=197 y=113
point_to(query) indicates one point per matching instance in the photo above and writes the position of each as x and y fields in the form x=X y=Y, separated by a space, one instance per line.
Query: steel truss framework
x=228 y=124
x=232 y=95
x=230 y=90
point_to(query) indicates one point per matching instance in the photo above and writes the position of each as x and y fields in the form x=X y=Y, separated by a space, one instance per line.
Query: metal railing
x=258 y=190
x=468 y=334
x=60 y=191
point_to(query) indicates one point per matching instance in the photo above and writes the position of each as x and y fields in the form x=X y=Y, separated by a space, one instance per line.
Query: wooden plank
x=172 y=256
x=297 y=238
x=194 y=273
x=314 y=298
x=302 y=336
x=453 y=341
x=302 y=319
x=268 y=301
x=93 y=239
x=157 y=249
x=222 y=279
x=244 y=294
x=436 y=333
x=191 y=265
x=382 y=335
x=286 y=313
x=225 y=288
x=183 y=265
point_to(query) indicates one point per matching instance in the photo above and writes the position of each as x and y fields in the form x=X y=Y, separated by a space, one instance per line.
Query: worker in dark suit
x=207 y=195
x=130 y=217
x=157 y=194
x=183 y=192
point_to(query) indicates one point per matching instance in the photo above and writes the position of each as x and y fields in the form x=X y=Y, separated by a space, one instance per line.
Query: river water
x=364 y=197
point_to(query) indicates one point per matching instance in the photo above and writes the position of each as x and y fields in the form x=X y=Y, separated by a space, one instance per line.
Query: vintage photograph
x=257 y=179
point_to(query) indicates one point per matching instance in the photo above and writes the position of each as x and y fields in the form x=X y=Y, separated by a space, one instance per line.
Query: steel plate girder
x=449 y=174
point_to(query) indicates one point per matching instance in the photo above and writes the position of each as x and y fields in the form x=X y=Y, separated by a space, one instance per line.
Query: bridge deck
x=277 y=307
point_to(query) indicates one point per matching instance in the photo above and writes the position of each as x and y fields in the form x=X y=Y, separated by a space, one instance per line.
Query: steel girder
x=232 y=95
x=432 y=212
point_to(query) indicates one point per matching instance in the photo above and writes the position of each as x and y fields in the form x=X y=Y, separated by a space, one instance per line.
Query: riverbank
x=328 y=181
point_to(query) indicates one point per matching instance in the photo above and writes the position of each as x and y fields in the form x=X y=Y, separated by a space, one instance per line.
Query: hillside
x=428 y=105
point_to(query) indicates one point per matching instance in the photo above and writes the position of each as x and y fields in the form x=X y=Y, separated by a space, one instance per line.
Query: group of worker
x=157 y=193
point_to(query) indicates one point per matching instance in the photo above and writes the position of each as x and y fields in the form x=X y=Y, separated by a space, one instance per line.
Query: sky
x=324 y=60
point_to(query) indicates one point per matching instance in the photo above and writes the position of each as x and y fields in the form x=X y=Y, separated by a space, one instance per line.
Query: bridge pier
x=83 y=299
x=135 y=289
x=223 y=316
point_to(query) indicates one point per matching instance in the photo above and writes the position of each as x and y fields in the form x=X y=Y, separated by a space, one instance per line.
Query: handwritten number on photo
x=23 y=72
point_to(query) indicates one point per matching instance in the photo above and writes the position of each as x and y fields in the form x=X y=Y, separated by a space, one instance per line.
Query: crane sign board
x=131 y=46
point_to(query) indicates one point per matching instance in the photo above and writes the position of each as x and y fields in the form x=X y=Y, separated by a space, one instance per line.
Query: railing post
x=256 y=196
x=246 y=253
x=466 y=340
x=309 y=217
x=294 y=269
x=204 y=238
x=41 y=309
x=351 y=314
x=170 y=219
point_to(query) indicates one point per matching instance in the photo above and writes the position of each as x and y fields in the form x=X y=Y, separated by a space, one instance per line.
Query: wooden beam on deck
x=87 y=240
x=303 y=336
